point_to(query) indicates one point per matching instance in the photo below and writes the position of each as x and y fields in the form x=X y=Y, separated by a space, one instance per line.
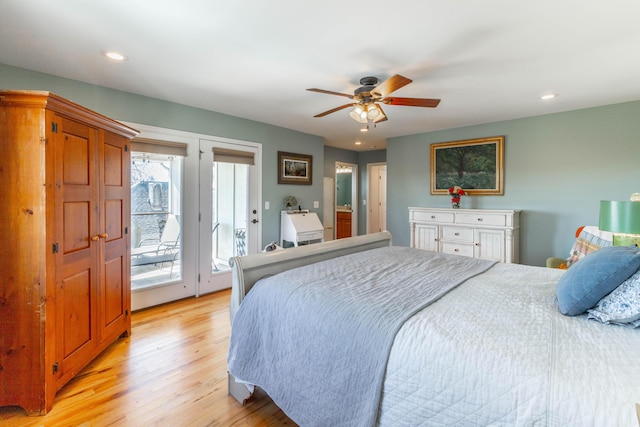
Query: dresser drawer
x=454 y=248
x=463 y=234
x=482 y=219
x=425 y=216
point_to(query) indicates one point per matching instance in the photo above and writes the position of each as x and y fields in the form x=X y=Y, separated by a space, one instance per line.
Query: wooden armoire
x=64 y=242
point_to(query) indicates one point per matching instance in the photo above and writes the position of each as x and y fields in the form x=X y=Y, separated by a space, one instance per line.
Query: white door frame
x=188 y=285
x=354 y=196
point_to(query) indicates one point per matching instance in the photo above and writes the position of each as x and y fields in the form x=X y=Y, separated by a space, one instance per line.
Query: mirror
x=346 y=200
x=343 y=188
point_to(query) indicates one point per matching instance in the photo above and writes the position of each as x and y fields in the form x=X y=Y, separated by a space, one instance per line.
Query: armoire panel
x=113 y=219
x=113 y=296
x=112 y=165
x=76 y=301
x=76 y=226
x=76 y=160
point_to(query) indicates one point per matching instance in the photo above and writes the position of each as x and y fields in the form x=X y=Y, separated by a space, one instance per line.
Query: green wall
x=129 y=107
x=557 y=169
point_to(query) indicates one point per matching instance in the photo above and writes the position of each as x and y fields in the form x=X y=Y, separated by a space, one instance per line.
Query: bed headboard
x=247 y=270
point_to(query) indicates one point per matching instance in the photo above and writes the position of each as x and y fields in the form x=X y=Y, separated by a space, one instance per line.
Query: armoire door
x=77 y=248
x=115 y=221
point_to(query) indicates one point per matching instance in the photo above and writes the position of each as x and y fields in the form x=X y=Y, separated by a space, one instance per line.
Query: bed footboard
x=238 y=391
x=247 y=270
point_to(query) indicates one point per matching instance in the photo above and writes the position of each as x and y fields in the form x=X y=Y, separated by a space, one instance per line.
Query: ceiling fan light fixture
x=359 y=114
x=373 y=112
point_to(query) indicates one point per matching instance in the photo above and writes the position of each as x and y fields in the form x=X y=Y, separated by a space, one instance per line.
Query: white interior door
x=377 y=212
x=229 y=208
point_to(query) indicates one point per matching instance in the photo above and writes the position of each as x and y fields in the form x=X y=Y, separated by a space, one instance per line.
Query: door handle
x=254 y=221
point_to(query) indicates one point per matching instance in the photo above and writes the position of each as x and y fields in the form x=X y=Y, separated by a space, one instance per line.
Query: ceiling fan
x=369 y=96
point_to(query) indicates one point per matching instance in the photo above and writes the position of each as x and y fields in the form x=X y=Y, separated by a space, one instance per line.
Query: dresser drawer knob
x=457 y=234
x=480 y=219
x=433 y=217
x=456 y=250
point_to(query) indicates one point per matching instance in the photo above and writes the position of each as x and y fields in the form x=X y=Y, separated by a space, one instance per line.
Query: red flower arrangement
x=456 y=192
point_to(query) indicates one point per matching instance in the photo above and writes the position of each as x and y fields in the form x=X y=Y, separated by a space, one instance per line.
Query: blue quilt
x=317 y=338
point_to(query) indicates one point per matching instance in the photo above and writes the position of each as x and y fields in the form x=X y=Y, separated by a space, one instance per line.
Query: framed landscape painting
x=294 y=168
x=476 y=165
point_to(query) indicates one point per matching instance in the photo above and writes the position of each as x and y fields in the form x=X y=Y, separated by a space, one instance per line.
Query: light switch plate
x=266 y=205
x=316 y=204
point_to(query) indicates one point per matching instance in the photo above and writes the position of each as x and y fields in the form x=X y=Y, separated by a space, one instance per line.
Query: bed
x=358 y=332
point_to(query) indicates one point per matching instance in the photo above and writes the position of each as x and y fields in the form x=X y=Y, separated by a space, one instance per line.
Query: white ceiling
x=487 y=60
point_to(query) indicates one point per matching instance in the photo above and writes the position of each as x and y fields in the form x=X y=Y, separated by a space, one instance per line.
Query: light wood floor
x=170 y=372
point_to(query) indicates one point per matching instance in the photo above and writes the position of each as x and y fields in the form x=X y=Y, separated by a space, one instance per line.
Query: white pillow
x=622 y=306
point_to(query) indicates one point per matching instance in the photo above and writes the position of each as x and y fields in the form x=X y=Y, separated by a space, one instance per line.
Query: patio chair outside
x=153 y=251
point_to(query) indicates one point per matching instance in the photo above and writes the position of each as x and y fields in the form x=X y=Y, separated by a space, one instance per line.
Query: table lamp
x=622 y=219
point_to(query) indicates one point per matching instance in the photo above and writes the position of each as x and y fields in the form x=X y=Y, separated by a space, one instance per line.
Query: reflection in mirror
x=343 y=186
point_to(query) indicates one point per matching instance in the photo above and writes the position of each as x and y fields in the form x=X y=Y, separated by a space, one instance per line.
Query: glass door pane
x=229 y=195
x=155 y=220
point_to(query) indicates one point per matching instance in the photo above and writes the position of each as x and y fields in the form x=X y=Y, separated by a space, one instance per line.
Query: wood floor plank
x=171 y=371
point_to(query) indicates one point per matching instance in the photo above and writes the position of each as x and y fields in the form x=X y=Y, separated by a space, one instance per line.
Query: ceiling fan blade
x=342 y=107
x=412 y=102
x=392 y=84
x=330 y=92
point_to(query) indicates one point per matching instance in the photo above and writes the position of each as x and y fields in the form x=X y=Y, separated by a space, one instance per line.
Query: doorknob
x=255 y=211
x=254 y=221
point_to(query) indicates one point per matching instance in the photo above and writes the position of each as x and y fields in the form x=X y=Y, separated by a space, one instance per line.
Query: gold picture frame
x=295 y=168
x=476 y=165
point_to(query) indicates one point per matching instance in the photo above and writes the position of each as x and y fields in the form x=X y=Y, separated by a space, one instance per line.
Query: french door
x=229 y=208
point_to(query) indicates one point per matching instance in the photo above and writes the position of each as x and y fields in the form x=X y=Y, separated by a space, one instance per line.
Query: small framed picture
x=294 y=168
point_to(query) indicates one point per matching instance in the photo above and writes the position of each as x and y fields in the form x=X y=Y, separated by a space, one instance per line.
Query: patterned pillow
x=622 y=306
x=589 y=240
x=594 y=277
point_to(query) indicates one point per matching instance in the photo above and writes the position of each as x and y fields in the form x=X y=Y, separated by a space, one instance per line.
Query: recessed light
x=548 y=96
x=365 y=129
x=114 y=55
x=358 y=143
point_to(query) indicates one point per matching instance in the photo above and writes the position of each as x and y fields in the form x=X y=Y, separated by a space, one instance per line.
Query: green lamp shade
x=620 y=217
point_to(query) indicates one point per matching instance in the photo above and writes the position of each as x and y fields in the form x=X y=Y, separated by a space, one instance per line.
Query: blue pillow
x=594 y=277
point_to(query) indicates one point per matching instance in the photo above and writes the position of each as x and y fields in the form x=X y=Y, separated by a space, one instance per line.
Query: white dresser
x=478 y=233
